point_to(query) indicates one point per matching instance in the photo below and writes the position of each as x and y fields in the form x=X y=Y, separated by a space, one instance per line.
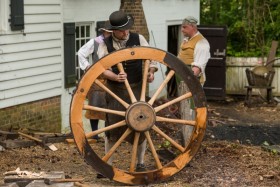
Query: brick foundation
x=42 y=116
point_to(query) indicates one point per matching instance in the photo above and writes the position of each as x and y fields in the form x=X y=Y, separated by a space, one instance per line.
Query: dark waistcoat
x=133 y=68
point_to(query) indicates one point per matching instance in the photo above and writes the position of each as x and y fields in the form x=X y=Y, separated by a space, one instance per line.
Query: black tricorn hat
x=119 y=20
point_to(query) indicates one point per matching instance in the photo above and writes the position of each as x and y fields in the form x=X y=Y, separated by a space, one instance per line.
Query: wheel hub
x=140 y=116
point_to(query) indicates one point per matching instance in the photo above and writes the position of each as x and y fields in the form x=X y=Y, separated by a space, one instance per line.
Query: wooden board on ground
x=5 y=135
x=12 y=144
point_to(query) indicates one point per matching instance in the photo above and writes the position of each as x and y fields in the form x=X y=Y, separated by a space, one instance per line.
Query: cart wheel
x=141 y=116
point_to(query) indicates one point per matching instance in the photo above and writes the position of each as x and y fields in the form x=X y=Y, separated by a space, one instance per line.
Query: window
x=4 y=16
x=83 y=35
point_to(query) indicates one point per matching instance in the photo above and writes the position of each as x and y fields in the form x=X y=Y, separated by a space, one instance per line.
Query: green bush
x=252 y=24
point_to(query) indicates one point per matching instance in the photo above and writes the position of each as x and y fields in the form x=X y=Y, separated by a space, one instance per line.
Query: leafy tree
x=252 y=24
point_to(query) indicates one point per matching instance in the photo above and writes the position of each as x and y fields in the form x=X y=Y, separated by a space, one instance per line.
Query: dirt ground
x=232 y=153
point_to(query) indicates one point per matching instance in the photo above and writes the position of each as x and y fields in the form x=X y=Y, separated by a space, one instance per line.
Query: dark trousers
x=94 y=126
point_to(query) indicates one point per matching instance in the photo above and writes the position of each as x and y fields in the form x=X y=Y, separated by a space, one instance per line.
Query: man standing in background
x=194 y=52
x=195 y=49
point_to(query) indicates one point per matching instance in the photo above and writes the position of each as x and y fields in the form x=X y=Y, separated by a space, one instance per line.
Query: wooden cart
x=140 y=116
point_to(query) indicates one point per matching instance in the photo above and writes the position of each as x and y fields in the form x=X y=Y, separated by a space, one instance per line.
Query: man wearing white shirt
x=194 y=52
x=195 y=49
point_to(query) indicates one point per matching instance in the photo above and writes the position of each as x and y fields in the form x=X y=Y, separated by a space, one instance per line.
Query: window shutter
x=17 y=15
x=69 y=55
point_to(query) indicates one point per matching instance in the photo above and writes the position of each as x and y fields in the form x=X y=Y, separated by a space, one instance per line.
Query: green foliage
x=252 y=24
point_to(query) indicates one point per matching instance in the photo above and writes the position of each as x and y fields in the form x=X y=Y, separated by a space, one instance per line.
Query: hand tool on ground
x=52 y=181
x=48 y=145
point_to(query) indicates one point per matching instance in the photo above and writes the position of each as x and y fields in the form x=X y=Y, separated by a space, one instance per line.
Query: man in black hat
x=96 y=96
x=120 y=23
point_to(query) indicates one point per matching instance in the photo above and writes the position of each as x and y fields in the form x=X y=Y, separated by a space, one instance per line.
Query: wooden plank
x=33 y=37
x=46 y=18
x=186 y=113
x=27 y=81
x=26 y=55
x=4 y=135
x=43 y=94
x=30 y=89
x=30 y=72
x=25 y=178
x=22 y=47
x=42 y=9
x=44 y=27
x=12 y=144
x=30 y=63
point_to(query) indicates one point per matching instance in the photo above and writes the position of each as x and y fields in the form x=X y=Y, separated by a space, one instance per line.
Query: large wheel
x=141 y=116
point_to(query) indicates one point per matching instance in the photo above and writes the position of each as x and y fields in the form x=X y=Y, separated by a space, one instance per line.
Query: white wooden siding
x=40 y=70
x=27 y=98
x=31 y=61
x=30 y=37
x=30 y=89
x=25 y=55
x=36 y=79
x=45 y=27
x=42 y=9
x=42 y=2
x=44 y=18
x=24 y=47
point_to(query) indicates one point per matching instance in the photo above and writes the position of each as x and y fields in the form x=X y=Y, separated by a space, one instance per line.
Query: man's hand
x=151 y=76
x=196 y=71
x=121 y=77
x=87 y=67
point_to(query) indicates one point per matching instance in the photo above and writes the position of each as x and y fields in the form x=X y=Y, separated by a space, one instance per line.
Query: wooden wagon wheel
x=138 y=122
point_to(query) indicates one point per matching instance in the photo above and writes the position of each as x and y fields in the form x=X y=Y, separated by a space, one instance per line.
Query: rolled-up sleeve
x=84 y=53
x=201 y=54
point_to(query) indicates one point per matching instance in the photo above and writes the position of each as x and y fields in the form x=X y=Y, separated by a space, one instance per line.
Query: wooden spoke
x=117 y=144
x=134 y=152
x=163 y=84
x=125 y=104
x=144 y=83
x=154 y=152
x=181 y=121
x=130 y=92
x=110 y=127
x=88 y=107
x=175 y=144
x=182 y=97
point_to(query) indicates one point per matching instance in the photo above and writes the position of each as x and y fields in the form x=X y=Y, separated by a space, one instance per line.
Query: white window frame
x=79 y=39
x=5 y=12
x=4 y=16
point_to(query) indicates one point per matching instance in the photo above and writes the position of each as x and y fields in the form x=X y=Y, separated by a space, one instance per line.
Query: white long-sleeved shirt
x=201 y=54
x=86 y=50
